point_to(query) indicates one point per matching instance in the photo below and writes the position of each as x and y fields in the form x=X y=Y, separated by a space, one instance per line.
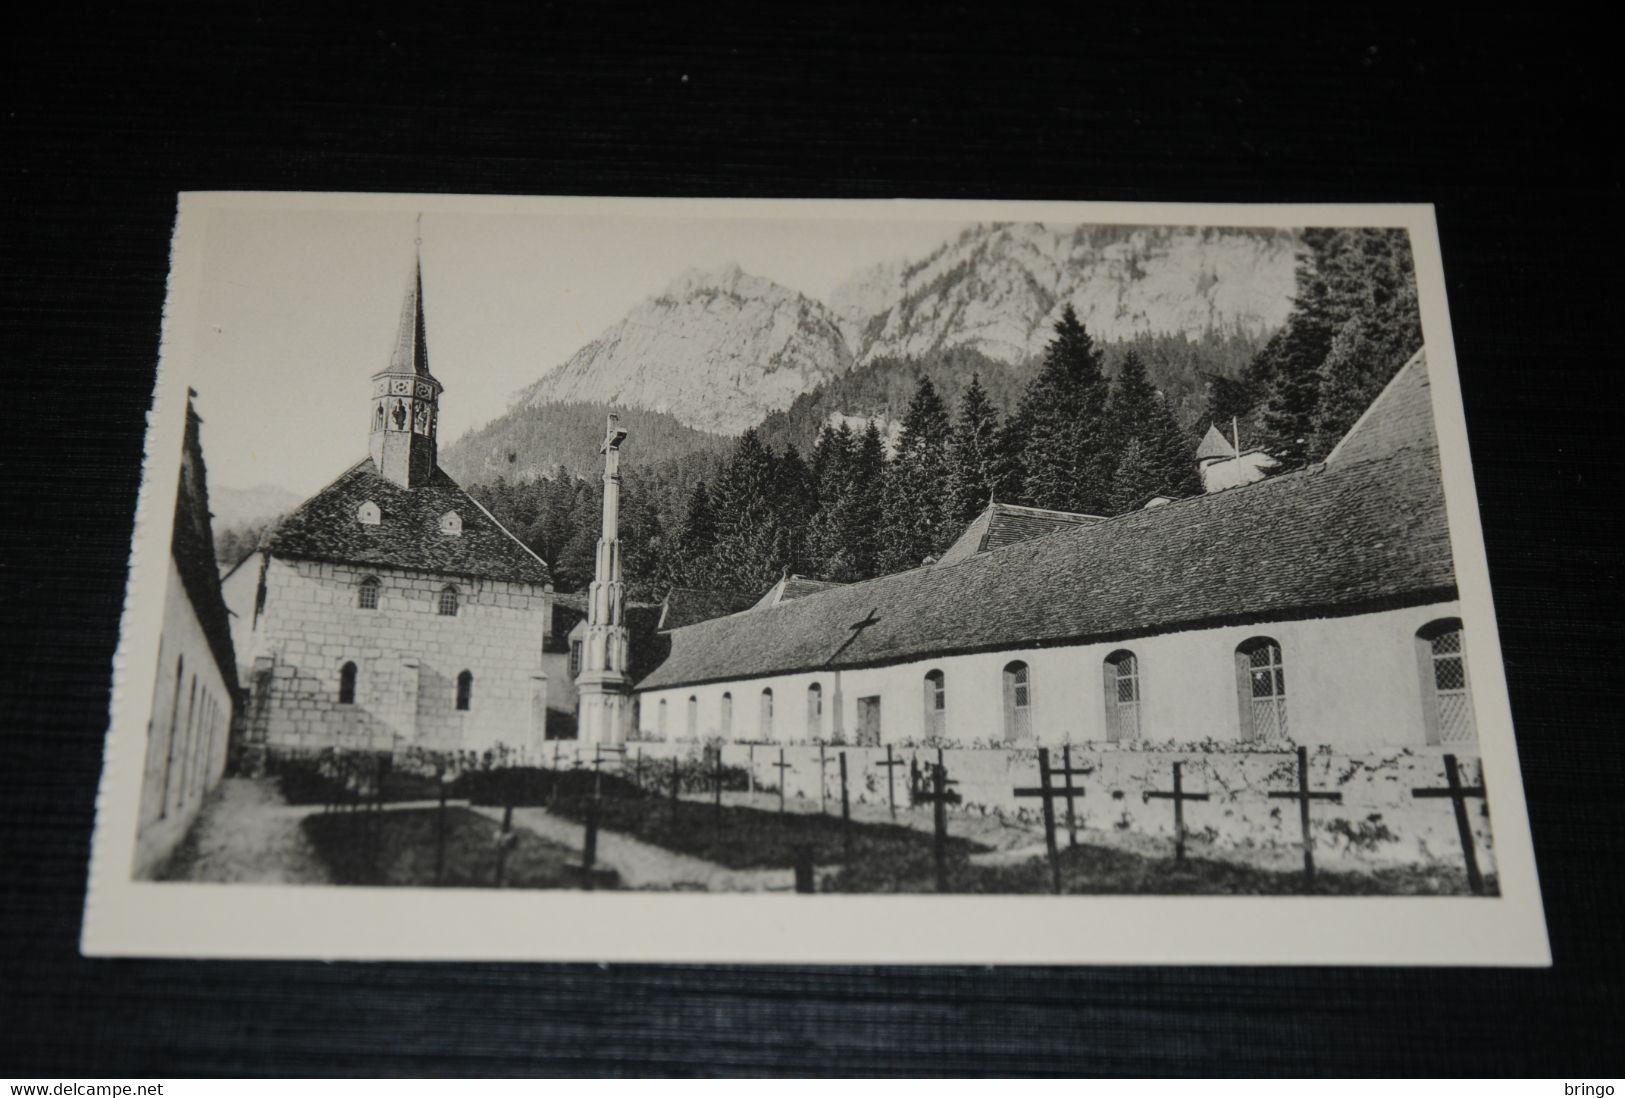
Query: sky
x=299 y=308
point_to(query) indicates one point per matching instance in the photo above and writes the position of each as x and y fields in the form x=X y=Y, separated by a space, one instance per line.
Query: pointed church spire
x=411 y=335
x=405 y=414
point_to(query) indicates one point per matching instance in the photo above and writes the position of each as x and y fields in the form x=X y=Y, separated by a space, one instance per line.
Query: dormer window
x=451 y=524
x=368 y=514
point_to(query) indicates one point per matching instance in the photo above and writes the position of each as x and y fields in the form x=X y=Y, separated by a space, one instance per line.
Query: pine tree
x=795 y=503
x=748 y=536
x=1151 y=452
x=1171 y=454
x=692 y=562
x=1355 y=284
x=915 y=518
x=831 y=469
x=1136 y=478
x=1065 y=465
x=855 y=517
x=1134 y=403
x=977 y=462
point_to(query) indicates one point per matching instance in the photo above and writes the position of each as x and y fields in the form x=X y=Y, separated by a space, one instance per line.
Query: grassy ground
x=399 y=848
x=1103 y=871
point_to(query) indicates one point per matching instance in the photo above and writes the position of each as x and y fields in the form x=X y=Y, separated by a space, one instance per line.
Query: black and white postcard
x=676 y=580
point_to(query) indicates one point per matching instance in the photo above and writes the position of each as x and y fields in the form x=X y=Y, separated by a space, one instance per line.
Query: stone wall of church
x=1354 y=683
x=187 y=730
x=408 y=657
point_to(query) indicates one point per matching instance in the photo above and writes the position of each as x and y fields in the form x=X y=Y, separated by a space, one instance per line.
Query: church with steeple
x=391 y=610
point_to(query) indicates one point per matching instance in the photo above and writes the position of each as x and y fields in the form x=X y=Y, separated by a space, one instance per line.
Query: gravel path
x=643 y=865
x=246 y=834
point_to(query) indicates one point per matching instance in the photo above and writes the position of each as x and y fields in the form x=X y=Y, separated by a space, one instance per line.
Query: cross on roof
x=857 y=628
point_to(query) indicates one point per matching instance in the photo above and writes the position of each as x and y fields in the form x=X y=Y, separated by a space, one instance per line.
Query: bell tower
x=404 y=413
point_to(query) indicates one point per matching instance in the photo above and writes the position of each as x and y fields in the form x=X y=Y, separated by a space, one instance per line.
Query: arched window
x=660 y=719
x=448 y=601
x=1122 y=693
x=465 y=689
x=766 y=715
x=367 y=593
x=936 y=703
x=1018 y=702
x=1261 y=689
x=693 y=717
x=726 y=723
x=575 y=658
x=1447 y=708
x=347 y=684
x=815 y=711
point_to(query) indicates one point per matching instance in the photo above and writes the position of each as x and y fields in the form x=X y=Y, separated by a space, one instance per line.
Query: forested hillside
x=534 y=441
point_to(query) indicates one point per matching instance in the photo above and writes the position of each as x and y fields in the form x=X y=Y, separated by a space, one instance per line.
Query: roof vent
x=451 y=524
x=1156 y=501
x=368 y=514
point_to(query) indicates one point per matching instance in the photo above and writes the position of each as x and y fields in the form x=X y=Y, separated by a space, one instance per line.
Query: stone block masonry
x=408 y=659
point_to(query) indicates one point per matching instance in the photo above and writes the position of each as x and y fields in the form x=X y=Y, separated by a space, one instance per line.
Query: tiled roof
x=1214 y=445
x=192 y=547
x=794 y=587
x=408 y=534
x=691 y=605
x=1402 y=411
x=1344 y=537
x=1002 y=524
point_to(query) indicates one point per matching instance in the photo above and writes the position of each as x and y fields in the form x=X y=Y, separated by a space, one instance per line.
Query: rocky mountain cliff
x=716 y=349
x=998 y=289
x=722 y=350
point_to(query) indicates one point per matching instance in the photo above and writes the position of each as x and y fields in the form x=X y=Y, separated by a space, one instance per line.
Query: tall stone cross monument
x=605 y=684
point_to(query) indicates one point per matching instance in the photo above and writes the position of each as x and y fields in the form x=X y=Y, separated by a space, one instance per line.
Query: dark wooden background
x=1505 y=122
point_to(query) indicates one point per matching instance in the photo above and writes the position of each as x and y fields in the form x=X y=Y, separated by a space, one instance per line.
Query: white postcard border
x=125 y=917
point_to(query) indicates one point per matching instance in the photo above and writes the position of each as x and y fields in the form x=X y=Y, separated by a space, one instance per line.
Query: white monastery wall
x=187 y=733
x=1353 y=683
x=408 y=657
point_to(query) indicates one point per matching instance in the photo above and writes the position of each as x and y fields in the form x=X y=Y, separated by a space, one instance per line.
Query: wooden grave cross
x=1070 y=791
x=781 y=766
x=1458 y=795
x=717 y=813
x=823 y=785
x=891 y=789
x=1179 y=797
x=1304 y=795
x=938 y=798
x=846 y=815
x=1047 y=791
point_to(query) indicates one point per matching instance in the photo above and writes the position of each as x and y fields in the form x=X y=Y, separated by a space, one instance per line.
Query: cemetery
x=1075 y=819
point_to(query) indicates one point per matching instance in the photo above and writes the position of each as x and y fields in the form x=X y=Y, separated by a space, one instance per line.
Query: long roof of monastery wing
x=1002 y=524
x=1347 y=537
x=690 y=605
x=325 y=527
x=1401 y=415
